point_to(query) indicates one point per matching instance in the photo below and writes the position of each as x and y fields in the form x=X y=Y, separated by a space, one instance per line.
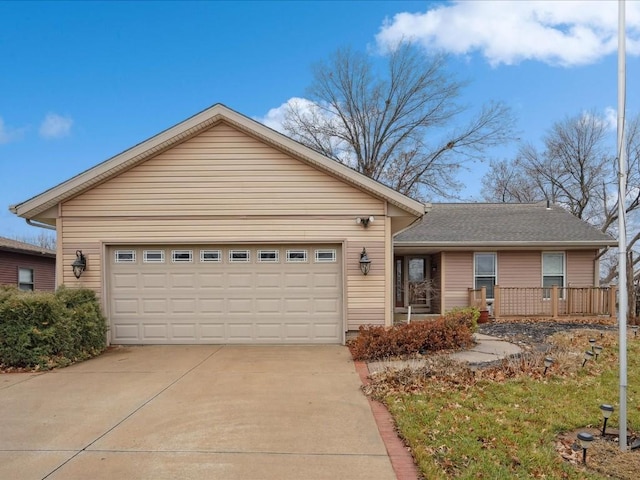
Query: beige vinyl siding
x=226 y=187
x=520 y=269
x=222 y=172
x=515 y=269
x=580 y=268
x=457 y=278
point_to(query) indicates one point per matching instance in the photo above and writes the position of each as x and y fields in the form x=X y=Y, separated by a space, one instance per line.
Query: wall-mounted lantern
x=365 y=263
x=365 y=221
x=79 y=264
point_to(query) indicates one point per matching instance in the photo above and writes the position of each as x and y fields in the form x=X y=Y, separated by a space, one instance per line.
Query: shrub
x=44 y=330
x=450 y=332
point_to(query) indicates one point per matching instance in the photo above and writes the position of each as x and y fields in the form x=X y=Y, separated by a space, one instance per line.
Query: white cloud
x=566 y=33
x=275 y=117
x=319 y=115
x=55 y=126
x=8 y=135
x=611 y=118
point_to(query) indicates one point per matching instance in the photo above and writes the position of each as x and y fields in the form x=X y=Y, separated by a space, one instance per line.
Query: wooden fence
x=549 y=302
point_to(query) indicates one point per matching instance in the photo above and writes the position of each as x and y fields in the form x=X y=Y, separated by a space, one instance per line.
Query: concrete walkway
x=193 y=412
x=487 y=349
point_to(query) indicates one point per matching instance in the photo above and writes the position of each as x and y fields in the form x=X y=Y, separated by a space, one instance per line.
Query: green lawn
x=502 y=426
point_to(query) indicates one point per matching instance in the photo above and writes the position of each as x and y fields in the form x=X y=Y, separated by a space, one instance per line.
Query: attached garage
x=221 y=230
x=225 y=294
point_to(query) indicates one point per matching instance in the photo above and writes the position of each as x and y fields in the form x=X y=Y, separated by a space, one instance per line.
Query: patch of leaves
x=604 y=454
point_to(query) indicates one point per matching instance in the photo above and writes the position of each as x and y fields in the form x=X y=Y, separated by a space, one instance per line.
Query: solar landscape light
x=592 y=342
x=607 y=410
x=635 y=330
x=588 y=355
x=597 y=349
x=548 y=361
x=585 y=442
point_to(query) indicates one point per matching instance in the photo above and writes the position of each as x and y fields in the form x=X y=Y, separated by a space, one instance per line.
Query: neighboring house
x=521 y=250
x=27 y=266
x=221 y=230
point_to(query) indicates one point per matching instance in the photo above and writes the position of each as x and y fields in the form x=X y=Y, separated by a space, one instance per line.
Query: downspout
x=39 y=224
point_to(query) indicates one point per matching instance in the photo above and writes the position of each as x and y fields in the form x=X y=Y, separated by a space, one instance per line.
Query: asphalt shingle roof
x=16 y=246
x=499 y=223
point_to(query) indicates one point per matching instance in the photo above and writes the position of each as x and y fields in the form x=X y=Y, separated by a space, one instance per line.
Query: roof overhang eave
x=504 y=244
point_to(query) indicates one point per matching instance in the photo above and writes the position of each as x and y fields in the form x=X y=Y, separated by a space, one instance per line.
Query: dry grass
x=517 y=422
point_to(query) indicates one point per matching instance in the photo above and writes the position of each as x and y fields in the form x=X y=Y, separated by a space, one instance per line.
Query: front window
x=25 y=279
x=553 y=272
x=485 y=272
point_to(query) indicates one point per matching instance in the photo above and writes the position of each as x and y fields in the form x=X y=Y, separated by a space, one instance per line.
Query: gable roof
x=191 y=127
x=9 y=245
x=501 y=225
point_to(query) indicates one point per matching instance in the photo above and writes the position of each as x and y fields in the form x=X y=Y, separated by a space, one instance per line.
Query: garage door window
x=210 y=256
x=239 y=256
x=294 y=256
x=326 y=256
x=153 y=256
x=125 y=256
x=268 y=256
x=182 y=256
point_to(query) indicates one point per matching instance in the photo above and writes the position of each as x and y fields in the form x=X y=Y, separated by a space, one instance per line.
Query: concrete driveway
x=193 y=412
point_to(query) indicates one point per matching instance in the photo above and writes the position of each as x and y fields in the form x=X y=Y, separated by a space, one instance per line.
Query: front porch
x=546 y=301
x=416 y=286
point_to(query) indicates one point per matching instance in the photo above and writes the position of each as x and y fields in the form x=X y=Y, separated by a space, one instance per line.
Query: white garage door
x=181 y=294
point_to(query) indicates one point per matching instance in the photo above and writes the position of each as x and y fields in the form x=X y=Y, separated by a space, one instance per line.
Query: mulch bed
x=532 y=332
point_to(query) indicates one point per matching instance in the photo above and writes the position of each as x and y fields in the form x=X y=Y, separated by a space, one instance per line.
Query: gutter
x=38 y=224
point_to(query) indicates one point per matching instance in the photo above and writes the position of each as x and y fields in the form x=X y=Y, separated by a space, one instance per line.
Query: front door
x=419 y=291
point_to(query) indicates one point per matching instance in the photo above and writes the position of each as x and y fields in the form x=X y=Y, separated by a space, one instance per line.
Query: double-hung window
x=553 y=272
x=485 y=271
x=25 y=279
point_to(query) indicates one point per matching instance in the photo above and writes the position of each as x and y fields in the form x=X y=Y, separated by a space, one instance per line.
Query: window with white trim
x=268 y=256
x=125 y=256
x=239 y=256
x=553 y=272
x=182 y=256
x=485 y=271
x=296 y=256
x=210 y=256
x=25 y=279
x=325 y=255
x=153 y=256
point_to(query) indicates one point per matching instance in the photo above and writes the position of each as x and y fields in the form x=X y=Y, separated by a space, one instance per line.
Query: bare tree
x=572 y=169
x=398 y=126
x=44 y=239
x=508 y=183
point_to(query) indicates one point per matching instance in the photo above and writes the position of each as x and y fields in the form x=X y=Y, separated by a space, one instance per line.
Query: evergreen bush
x=44 y=330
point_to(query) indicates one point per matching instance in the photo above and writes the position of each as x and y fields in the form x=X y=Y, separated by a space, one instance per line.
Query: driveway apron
x=193 y=412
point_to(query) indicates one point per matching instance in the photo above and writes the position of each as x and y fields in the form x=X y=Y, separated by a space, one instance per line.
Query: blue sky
x=83 y=81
